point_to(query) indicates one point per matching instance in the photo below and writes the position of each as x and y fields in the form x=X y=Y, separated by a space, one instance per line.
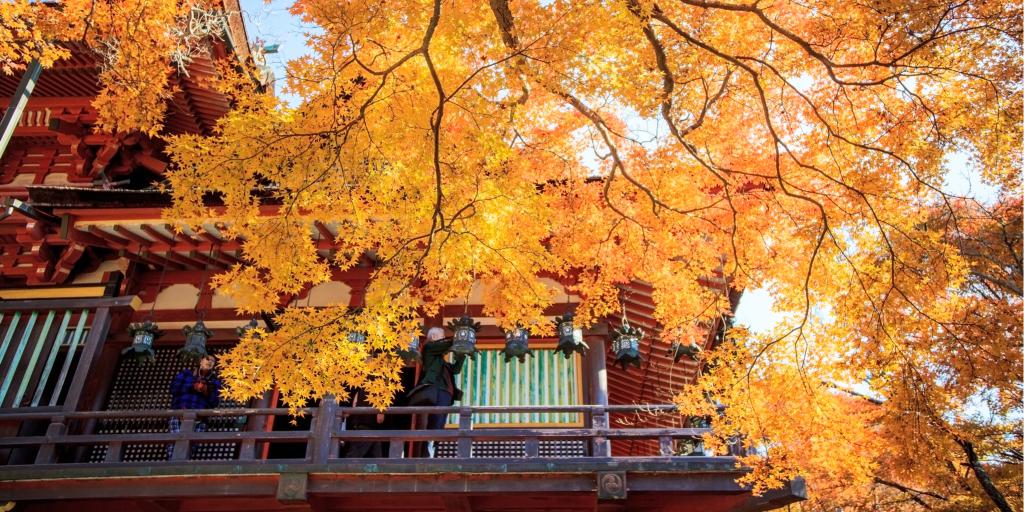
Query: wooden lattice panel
x=504 y=449
x=140 y=386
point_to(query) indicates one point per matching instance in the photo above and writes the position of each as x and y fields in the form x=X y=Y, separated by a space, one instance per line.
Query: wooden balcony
x=57 y=475
x=55 y=453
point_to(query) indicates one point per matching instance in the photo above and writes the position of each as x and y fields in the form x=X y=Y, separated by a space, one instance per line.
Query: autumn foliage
x=800 y=147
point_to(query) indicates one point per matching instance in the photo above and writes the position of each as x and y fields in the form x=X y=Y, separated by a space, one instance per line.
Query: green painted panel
x=62 y=333
x=9 y=334
x=26 y=334
x=83 y=317
x=545 y=379
x=37 y=349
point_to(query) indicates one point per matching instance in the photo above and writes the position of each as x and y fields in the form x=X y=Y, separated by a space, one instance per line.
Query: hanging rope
x=203 y=283
x=469 y=289
x=163 y=272
x=316 y=248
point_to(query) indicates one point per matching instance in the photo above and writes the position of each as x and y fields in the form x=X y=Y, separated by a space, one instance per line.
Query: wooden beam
x=162 y=261
x=210 y=238
x=158 y=236
x=183 y=236
x=151 y=162
x=188 y=262
x=325 y=233
x=457 y=503
x=127 y=233
x=77 y=236
x=196 y=255
x=114 y=239
x=18 y=102
x=224 y=256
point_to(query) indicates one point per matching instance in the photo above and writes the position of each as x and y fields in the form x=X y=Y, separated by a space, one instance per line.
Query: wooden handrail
x=70 y=303
x=23 y=414
x=325 y=434
x=487 y=434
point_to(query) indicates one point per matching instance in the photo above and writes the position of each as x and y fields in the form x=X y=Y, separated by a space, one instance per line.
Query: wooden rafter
x=127 y=233
x=184 y=260
x=158 y=236
x=325 y=233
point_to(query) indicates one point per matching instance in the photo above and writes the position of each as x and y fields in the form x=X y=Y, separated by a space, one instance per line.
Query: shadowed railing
x=47 y=348
x=327 y=433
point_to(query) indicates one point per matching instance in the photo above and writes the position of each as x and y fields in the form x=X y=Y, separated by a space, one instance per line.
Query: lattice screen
x=499 y=449
x=147 y=386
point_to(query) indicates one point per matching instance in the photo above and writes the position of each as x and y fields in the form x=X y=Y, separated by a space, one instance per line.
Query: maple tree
x=801 y=147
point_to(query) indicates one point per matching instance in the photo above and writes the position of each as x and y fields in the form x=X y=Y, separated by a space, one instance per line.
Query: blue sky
x=271 y=22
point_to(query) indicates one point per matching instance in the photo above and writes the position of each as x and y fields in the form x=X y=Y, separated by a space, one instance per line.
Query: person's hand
x=380 y=419
x=200 y=387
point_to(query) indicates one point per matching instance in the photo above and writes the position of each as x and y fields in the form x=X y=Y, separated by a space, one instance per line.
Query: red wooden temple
x=84 y=252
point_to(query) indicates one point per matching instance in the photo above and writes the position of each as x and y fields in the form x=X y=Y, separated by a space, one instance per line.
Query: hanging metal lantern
x=464 y=339
x=357 y=337
x=411 y=353
x=195 y=342
x=244 y=330
x=143 y=335
x=694 y=446
x=626 y=345
x=517 y=344
x=570 y=337
x=678 y=350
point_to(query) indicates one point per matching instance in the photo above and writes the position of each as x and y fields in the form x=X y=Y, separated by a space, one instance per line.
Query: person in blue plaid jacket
x=194 y=389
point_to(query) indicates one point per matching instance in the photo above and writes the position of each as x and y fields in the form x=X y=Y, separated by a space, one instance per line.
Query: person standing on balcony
x=194 y=389
x=363 y=449
x=437 y=382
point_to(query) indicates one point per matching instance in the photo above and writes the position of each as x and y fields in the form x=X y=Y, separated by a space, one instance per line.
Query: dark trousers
x=433 y=422
x=362 y=449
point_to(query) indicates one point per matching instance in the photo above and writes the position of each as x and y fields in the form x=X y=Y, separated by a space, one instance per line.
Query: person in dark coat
x=357 y=422
x=437 y=382
x=194 y=389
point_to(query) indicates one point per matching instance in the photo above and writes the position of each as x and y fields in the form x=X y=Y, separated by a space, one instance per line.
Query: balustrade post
x=665 y=445
x=465 y=448
x=597 y=373
x=600 y=445
x=114 y=451
x=47 y=453
x=532 y=446
x=395 y=447
x=90 y=354
x=321 y=440
x=247 y=449
x=183 y=445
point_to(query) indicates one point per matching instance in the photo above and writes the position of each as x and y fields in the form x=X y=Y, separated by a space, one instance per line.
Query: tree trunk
x=982 y=476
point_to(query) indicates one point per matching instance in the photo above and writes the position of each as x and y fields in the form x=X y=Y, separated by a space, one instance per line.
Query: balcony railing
x=47 y=348
x=326 y=434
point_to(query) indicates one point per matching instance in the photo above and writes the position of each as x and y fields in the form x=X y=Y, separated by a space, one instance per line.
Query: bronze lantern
x=411 y=352
x=679 y=350
x=143 y=335
x=244 y=330
x=626 y=345
x=195 y=341
x=517 y=345
x=570 y=337
x=464 y=337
